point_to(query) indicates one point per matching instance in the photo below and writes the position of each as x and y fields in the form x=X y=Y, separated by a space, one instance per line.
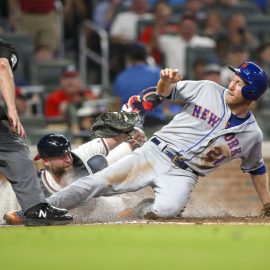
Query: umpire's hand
x=15 y=123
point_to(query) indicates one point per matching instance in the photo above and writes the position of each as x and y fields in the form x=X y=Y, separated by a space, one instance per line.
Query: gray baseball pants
x=146 y=166
x=17 y=166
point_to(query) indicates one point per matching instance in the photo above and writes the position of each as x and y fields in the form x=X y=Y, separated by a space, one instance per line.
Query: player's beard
x=68 y=177
x=61 y=171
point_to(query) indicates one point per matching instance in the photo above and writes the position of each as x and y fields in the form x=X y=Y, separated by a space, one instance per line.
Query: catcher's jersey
x=48 y=185
x=96 y=150
x=85 y=152
x=199 y=132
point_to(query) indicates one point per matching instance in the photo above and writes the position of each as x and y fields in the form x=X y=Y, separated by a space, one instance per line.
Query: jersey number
x=215 y=155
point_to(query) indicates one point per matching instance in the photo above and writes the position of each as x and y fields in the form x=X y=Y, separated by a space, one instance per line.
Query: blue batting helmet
x=255 y=78
x=53 y=145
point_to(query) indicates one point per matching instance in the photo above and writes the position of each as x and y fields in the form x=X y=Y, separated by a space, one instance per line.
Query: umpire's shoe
x=44 y=214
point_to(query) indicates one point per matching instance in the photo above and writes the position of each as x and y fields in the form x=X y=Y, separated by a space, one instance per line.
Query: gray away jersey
x=198 y=132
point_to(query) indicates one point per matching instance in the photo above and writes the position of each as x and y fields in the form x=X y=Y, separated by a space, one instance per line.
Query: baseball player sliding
x=215 y=126
x=63 y=165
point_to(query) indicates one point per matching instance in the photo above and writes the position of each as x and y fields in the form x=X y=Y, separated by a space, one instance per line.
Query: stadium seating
x=48 y=72
x=206 y=54
x=259 y=26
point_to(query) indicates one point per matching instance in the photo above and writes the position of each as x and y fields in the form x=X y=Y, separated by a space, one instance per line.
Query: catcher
x=116 y=136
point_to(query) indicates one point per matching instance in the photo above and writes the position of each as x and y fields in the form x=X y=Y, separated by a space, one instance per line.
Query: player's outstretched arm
x=115 y=141
x=134 y=139
x=168 y=77
x=260 y=183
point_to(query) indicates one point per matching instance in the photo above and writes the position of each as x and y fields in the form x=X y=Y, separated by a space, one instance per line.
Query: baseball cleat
x=45 y=214
x=14 y=217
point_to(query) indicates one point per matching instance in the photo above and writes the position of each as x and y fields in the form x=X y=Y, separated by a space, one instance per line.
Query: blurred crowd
x=198 y=37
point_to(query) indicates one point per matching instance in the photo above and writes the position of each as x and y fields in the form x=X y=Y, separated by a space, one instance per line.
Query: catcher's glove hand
x=136 y=138
x=266 y=210
x=111 y=124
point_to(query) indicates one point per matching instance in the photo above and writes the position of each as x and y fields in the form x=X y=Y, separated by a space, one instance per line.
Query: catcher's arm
x=133 y=140
x=118 y=152
x=136 y=139
x=113 y=142
x=167 y=78
x=260 y=183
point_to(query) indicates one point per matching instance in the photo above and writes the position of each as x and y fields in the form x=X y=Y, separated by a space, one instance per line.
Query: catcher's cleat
x=14 y=217
x=45 y=214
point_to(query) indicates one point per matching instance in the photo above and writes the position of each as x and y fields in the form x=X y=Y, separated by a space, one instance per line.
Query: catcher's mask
x=255 y=78
x=52 y=145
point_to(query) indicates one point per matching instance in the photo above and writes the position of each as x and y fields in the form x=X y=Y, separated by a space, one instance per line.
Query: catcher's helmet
x=255 y=78
x=53 y=145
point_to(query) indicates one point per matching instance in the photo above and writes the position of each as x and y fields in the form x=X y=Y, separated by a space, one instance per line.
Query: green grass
x=135 y=247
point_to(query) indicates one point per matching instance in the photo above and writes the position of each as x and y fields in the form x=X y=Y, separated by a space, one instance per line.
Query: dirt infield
x=183 y=221
x=190 y=221
x=199 y=211
x=220 y=220
x=253 y=221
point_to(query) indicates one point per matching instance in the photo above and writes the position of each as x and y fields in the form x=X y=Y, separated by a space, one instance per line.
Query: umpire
x=15 y=160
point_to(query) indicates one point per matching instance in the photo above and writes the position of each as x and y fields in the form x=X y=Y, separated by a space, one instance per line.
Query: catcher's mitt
x=111 y=124
x=266 y=210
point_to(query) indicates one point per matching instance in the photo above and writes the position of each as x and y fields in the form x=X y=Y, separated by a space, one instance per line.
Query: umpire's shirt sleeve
x=8 y=51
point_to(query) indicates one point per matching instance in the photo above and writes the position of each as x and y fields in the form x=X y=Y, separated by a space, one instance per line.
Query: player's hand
x=136 y=138
x=15 y=123
x=170 y=75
